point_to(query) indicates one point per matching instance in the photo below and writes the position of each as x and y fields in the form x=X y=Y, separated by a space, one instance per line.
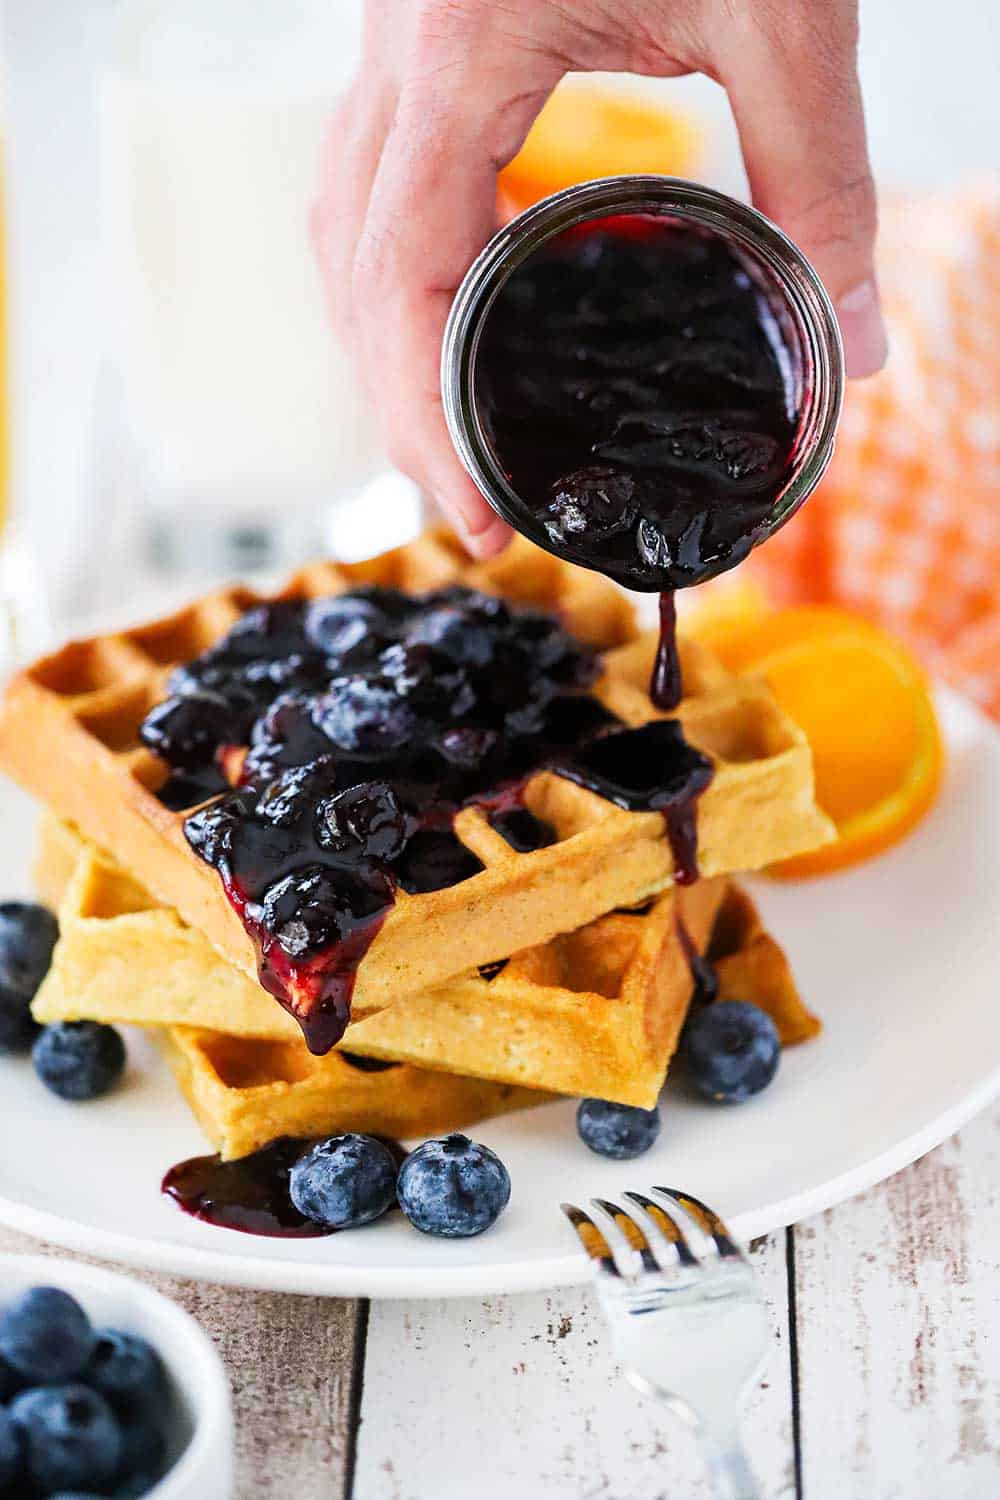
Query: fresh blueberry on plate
x=79 y=1059
x=70 y=1437
x=45 y=1336
x=10 y=1451
x=453 y=1187
x=126 y=1370
x=344 y=1181
x=27 y=936
x=621 y=1131
x=732 y=1050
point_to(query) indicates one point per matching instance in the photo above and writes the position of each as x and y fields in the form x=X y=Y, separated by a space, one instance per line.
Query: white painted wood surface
x=896 y=1380
x=892 y=1387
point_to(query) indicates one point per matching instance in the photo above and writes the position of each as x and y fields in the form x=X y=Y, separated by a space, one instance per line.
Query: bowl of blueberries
x=108 y=1391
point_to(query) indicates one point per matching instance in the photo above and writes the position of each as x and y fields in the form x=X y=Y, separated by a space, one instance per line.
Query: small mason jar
x=795 y=295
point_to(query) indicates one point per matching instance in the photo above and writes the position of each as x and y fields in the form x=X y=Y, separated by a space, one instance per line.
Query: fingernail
x=859 y=313
x=488 y=540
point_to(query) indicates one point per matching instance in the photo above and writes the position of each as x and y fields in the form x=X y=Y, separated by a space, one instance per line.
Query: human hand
x=446 y=94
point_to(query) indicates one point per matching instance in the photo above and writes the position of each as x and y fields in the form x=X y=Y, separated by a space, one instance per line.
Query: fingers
x=792 y=79
x=431 y=210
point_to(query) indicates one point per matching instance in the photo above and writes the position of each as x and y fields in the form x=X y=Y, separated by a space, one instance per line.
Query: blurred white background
x=932 y=83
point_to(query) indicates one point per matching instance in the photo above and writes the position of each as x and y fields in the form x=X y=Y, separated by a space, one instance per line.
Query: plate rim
x=490 y=1278
x=331 y=1279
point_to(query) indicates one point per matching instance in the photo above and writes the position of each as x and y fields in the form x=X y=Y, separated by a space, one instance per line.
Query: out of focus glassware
x=245 y=411
x=23 y=607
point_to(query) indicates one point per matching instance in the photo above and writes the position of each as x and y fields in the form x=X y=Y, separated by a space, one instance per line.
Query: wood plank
x=520 y=1397
x=897 y=1322
x=290 y=1363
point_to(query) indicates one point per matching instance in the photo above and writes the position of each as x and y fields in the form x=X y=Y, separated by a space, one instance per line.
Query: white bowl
x=201 y=1425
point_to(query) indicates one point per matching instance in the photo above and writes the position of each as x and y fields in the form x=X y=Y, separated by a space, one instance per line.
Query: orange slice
x=588 y=131
x=865 y=706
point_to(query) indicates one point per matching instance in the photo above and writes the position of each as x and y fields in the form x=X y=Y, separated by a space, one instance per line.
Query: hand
x=447 y=92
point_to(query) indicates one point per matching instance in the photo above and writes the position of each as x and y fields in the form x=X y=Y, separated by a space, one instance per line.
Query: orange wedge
x=588 y=131
x=865 y=705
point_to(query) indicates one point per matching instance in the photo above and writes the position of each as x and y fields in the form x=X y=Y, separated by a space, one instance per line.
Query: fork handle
x=730 y=1471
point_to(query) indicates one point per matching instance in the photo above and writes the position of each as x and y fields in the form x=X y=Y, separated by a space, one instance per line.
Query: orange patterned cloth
x=906 y=526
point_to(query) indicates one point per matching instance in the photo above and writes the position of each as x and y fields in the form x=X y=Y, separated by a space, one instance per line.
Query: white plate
x=899 y=957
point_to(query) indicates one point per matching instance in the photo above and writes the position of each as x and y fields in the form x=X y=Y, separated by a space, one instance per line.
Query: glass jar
x=804 y=315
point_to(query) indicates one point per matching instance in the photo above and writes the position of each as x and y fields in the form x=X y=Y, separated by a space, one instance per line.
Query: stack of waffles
x=563 y=970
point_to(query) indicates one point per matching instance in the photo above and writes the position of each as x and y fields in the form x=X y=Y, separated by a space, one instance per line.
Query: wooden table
x=884 y=1381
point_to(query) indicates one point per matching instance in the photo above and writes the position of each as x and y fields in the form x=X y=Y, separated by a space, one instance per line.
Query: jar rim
x=693 y=202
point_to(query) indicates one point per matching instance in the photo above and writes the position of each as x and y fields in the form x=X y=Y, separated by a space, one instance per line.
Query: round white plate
x=899 y=957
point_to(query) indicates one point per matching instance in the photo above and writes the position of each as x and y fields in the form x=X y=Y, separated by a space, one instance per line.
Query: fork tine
x=707 y=1220
x=632 y=1231
x=591 y=1238
x=668 y=1227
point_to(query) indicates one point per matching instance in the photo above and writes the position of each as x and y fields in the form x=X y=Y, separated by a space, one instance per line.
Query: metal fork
x=690 y=1329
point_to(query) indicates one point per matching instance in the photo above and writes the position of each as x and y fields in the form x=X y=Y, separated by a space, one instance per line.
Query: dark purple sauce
x=635 y=390
x=665 y=687
x=251 y=1194
x=703 y=975
x=651 y=769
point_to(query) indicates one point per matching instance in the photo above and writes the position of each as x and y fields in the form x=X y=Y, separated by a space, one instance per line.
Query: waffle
x=594 y=1012
x=246 y=1094
x=68 y=733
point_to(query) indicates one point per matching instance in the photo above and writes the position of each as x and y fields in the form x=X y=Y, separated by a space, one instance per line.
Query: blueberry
x=187 y=729
x=45 y=1335
x=344 y=1181
x=341 y=625
x=467 y=747
x=620 y=1131
x=144 y=1456
x=453 y=1187
x=28 y=934
x=458 y=634
x=591 y=504
x=212 y=832
x=126 y=1370
x=311 y=910
x=70 y=1437
x=79 y=1059
x=10 y=1451
x=732 y=1050
x=365 y=822
x=295 y=793
x=366 y=715
x=267 y=631
x=10 y=1381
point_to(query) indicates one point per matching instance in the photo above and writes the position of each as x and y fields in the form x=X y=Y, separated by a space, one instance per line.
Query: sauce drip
x=665 y=687
x=703 y=976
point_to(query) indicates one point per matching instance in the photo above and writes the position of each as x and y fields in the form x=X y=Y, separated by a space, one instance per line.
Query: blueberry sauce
x=347 y=756
x=252 y=1193
x=665 y=685
x=522 y=830
x=636 y=391
x=367 y=1064
x=704 y=979
x=651 y=769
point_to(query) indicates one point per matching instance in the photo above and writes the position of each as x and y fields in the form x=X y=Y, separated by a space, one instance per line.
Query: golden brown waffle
x=593 y=1012
x=246 y=1094
x=68 y=732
